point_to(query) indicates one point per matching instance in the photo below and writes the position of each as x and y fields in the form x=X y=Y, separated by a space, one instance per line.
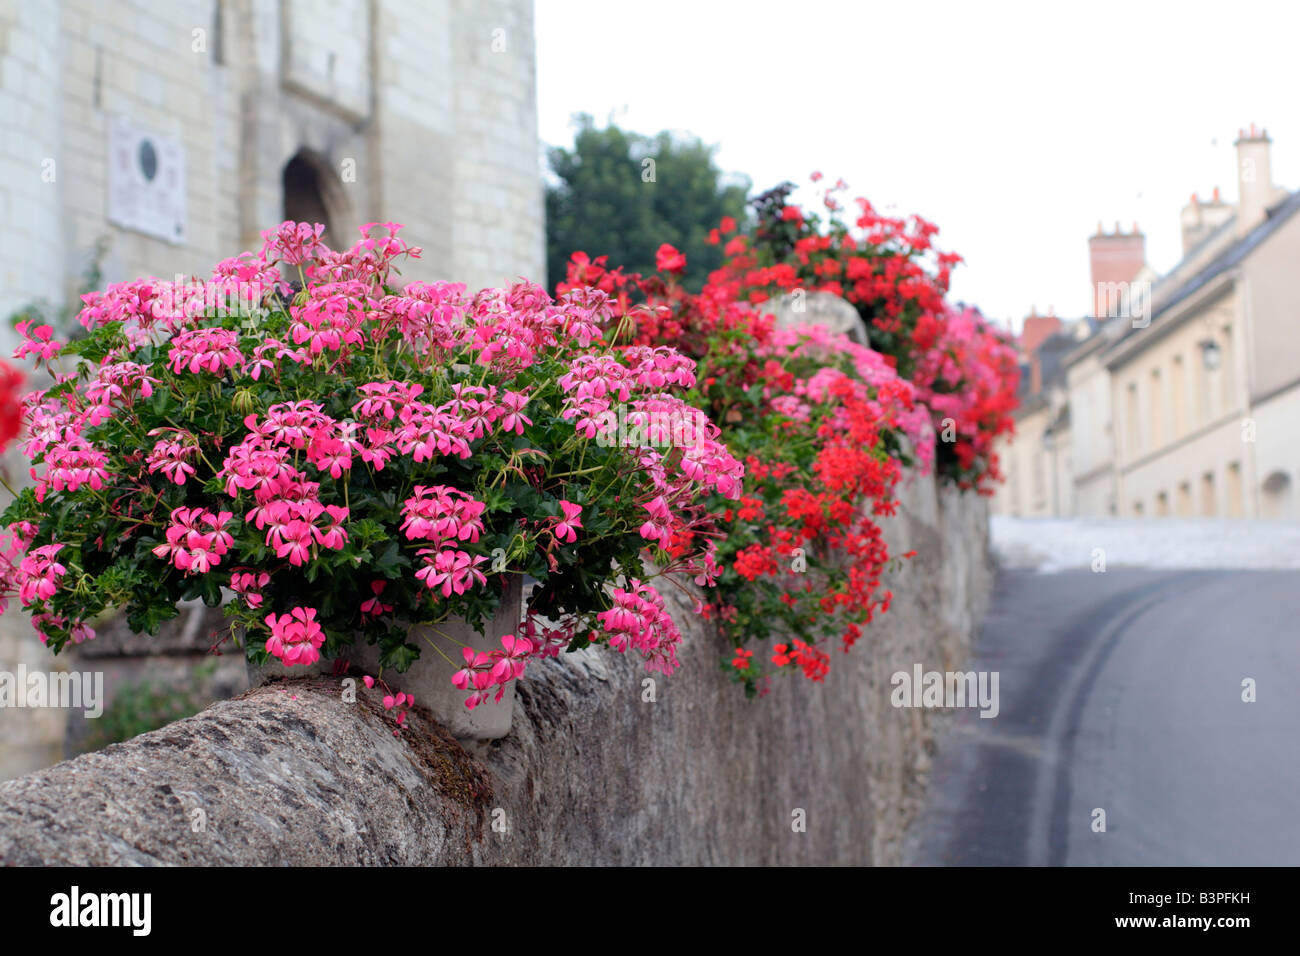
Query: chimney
x=1116 y=259
x=1037 y=329
x=1200 y=217
x=1254 y=178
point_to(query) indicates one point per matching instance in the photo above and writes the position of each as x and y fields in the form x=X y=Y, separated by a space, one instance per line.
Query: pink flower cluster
x=205 y=350
x=896 y=399
x=484 y=670
x=40 y=572
x=694 y=458
x=70 y=464
x=400 y=702
x=331 y=319
x=439 y=513
x=296 y=637
x=173 y=458
x=37 y=341
x=289 y=471
x=967 y=377
x=196 y=540
x=248 y=585
x=293 y=242
x=638 y=620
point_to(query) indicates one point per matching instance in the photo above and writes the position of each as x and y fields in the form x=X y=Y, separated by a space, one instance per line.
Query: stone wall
x=592 y=772
x=417 y=111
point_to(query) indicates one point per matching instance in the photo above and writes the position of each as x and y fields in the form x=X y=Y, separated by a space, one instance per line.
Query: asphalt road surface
x=1122 y=691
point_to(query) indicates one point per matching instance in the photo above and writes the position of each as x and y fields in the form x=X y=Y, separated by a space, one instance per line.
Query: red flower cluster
x=11 y=408
x=803 y=554
x=965 y=371
x=825 y=426
x=815 y=664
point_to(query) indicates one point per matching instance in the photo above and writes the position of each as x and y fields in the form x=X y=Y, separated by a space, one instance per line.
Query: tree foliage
x=623 y=194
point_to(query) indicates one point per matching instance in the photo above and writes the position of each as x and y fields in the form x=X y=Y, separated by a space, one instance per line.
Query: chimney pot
x=1114 y=263
x=1254 y=179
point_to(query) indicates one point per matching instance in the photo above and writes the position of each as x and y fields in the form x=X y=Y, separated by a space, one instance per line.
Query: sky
x=1014 y=127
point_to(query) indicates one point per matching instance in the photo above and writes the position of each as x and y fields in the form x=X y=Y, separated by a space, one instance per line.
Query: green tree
x=623 y=194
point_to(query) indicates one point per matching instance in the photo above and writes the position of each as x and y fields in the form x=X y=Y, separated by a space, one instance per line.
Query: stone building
x=1183 y=399
x=169 y=135
x=178 y=131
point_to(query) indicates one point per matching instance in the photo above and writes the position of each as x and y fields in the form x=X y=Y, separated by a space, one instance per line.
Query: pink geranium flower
x=296 y=637
x=566 y=529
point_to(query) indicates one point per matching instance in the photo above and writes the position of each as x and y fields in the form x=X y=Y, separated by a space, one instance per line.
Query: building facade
x=1181 y=396
x=171 y=134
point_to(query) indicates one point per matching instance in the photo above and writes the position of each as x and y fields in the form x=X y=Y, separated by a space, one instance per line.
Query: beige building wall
x=1088 y=392
x=1272 y=303
x=1059 y=452
x=1179 y=429
x=1277 y=455
x=1027 y=492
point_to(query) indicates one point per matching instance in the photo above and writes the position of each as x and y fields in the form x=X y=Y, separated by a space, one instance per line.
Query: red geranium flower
x=668 y=259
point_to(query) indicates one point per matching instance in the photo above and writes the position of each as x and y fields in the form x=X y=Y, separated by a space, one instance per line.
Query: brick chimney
x=1200 y=217
x=1116 y=258
x=1254 y=178
x=1037 y=329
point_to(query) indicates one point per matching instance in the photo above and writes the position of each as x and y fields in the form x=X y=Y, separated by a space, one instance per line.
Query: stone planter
x=429 y=678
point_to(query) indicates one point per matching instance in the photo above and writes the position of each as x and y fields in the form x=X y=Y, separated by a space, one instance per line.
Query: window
x=1162 y=504
x=1236 y=501
x=1157 y=409
x=1276 y=496
x=1131 y=422
x=1202 y=390
x=1209 y=502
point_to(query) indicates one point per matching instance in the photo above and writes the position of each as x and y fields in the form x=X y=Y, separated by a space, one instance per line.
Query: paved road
x=1123 y=691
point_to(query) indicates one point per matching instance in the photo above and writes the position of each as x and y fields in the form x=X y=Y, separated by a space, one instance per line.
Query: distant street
x=1122 y=691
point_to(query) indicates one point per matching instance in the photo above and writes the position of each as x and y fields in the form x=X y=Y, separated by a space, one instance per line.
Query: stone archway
x=1277 y=496
x=312 y=193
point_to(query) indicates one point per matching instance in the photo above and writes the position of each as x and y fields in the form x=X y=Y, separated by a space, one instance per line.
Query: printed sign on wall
x=146 y=181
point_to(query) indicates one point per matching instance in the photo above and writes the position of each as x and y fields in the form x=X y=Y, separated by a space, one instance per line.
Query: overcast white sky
x=1015 y=127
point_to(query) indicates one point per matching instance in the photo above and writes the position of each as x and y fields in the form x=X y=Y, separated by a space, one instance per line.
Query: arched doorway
x=312 y=194
x=1276 y=498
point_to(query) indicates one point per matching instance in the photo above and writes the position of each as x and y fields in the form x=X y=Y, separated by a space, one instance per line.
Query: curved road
x=1123 y=691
